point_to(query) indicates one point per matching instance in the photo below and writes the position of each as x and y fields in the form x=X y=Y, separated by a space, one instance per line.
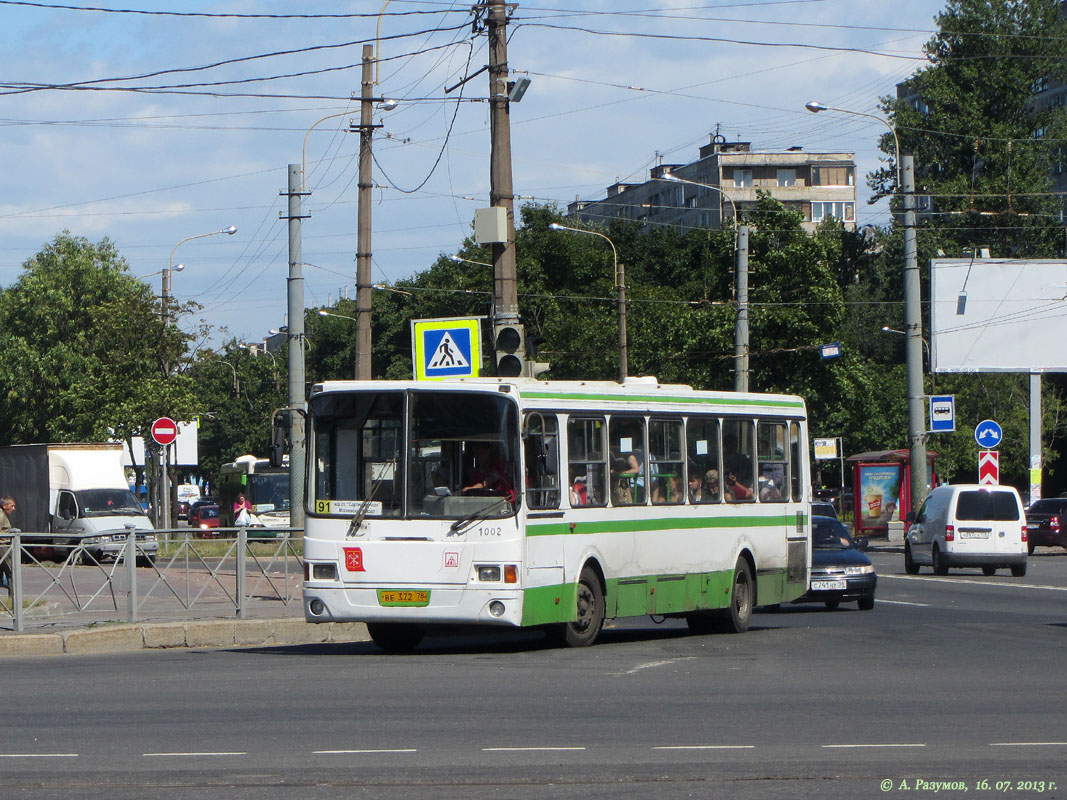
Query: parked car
x=822 y=508
x=205 y=518
x=840 y=573
x=1046 y=524
x=968 y=525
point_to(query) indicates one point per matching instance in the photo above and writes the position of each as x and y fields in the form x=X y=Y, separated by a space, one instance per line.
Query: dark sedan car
x=1046 y=524
x=839 y=572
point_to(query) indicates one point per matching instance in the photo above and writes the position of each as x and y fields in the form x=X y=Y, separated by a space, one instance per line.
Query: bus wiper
x=361 y=512
x=461 y=524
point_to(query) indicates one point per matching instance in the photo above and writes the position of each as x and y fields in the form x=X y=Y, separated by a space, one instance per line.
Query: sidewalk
x=115 y=638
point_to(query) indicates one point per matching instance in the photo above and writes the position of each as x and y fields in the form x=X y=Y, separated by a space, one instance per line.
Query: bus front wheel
x=590 y=607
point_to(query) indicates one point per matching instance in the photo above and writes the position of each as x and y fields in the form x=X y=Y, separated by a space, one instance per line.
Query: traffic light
x=534 y=368
x=509 y=348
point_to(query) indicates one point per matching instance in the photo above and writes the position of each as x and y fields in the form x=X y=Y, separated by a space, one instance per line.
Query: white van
x=967 y=525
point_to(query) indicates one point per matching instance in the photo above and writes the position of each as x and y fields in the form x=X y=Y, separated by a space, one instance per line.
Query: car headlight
x=867 y=569
x=91 y=540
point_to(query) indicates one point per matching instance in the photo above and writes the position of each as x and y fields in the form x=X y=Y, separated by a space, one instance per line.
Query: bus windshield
x=416 y=454
x=268 y=491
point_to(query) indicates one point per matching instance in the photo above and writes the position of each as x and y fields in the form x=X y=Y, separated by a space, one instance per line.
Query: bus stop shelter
x=881 y=489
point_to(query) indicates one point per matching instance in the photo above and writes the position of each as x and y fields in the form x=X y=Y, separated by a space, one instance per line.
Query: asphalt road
x=949 y=681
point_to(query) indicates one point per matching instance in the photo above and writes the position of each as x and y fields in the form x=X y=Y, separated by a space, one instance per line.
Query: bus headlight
x=496 y=608
x=489 y=574
x=324 y=572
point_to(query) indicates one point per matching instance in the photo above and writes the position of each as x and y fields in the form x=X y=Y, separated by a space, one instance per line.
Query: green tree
x=84 y=349
x=985 y=142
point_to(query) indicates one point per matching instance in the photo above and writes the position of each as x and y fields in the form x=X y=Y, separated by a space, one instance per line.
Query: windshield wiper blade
x=361 y=512
x=463 y=523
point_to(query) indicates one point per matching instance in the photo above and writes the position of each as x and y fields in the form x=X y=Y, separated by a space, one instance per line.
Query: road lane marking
x=526 y=749
x=38 y=755
x=1028 y=744
x=974 y=582
x=169 y=755
x=883 y=601
x=350 y=752
x=857 y=747
x=704 y=747
x=652 y=664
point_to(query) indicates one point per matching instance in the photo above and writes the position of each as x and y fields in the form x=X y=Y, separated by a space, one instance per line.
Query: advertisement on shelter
x=879 y=498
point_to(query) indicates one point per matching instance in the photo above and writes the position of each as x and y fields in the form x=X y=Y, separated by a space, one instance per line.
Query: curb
x=192 y=633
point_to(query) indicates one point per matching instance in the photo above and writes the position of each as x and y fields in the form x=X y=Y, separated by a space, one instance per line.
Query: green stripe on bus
x=643 y=595
x=630 y=525
x=666 y=399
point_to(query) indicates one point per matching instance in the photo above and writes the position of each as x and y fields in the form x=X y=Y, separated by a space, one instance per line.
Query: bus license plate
x=403 y=597
x=828 y=586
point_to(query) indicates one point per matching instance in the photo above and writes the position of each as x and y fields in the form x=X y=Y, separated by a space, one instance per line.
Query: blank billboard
x=998 y=315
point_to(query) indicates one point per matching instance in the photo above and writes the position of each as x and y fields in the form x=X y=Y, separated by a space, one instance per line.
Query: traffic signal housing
x=509 y=348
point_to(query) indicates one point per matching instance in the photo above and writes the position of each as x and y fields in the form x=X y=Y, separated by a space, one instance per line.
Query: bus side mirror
x=280 y=426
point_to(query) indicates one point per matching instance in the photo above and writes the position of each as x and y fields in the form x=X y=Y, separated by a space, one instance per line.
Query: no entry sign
x=164 y=430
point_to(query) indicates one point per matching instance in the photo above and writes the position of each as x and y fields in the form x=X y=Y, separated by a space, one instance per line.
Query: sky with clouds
x=170 y=120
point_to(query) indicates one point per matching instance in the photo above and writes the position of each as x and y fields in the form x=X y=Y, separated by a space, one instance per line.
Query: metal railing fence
x=188 y=578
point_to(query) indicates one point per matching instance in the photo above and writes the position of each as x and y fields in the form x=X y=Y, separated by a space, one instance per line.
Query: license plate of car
x=974 y=534
x=828 y=586
x=403 y=597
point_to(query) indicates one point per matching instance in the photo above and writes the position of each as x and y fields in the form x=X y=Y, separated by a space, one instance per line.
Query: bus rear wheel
x=736 y=618
x=590 y=601
x=395 y=637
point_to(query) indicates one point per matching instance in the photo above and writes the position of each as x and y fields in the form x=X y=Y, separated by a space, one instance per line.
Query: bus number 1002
x=490 y=531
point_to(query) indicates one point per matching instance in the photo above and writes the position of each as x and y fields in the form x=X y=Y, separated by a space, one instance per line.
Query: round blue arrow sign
x=988 y=434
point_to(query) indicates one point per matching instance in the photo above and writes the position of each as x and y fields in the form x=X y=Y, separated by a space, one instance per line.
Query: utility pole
x=363 y=220
x=501 y=192
x=295 y=339
x=741 y=323
x=913 y=327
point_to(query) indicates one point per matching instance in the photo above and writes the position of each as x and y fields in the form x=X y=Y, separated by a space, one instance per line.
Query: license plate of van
x=974 y=534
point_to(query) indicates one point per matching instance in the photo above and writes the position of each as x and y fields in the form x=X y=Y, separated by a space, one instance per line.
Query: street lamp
x=814 y=106
x=620 y=285
x=177 y=268
x=462 y=260
x=741 y=282
x=170 y=265
x=324 y=313
x=913 y=321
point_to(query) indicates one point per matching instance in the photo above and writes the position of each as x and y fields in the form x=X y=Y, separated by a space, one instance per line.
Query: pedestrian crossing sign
x=446 y=348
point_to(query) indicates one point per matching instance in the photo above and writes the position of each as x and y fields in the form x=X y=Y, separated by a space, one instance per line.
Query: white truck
x=70 y=494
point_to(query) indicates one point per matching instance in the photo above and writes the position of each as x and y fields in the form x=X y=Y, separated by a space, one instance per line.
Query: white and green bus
x=517 y=502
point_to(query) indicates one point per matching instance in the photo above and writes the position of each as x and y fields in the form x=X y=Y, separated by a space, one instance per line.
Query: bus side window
x=794 y=461
x=773 y=460
x=628 y=463
x=665 y=460
x=737 y=461
x=587 y=461
x=542 y=460
x=702 y=449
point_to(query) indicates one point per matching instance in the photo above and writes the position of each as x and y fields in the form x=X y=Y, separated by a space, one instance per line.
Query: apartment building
x=818 y=185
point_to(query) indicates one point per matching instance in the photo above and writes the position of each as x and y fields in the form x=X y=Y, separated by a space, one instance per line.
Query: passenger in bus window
x=696 y=489
x=579 y=489
x=712 y=490
x=736 y=491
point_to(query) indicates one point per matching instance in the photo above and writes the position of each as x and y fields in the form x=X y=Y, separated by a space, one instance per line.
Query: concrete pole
x=1035 y=436
x=297 y=400
x=913 y=327
x=501 y=192
x=363 y=221
x=741 y=324
x=624 y=348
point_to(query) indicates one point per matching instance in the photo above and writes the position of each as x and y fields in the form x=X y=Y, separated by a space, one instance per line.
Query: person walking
x=7 y=506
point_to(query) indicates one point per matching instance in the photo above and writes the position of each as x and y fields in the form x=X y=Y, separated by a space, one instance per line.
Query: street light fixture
x=620 y=285
x=741 y=339
x=913 y=322
x=462 y=260
x=171 y=269
x=324 y=313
